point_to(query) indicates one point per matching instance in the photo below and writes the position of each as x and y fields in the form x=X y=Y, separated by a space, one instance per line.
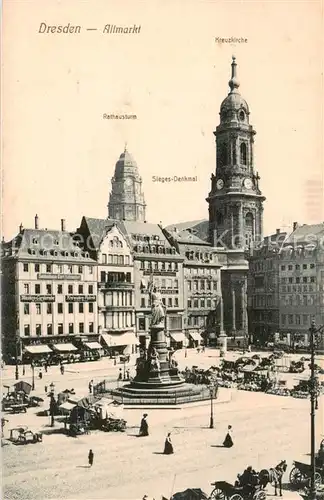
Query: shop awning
x=195 y=336
x=123 y=339
x=38 y=349
x=64 y=347
x=178 y=336
x=92 y=345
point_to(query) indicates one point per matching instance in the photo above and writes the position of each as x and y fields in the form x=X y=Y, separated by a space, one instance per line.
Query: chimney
x=277 y=231
x=295 y=225
x=62 y=224
x=36 y=221
x=21 y=227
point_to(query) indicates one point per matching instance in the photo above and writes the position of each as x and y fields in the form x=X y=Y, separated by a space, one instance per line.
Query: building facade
x=286 y=285
x=203 y=305
x=49 y=292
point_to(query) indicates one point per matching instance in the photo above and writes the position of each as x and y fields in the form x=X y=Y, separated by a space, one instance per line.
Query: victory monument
x=158 y=380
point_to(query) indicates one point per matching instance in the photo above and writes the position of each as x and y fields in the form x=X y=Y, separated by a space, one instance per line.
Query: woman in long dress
x=228 y=441
x=168 y=448
x=144 y=426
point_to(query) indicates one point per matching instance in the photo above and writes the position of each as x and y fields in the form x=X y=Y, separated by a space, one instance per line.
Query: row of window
x=166 y=283
x=71 y=307
x=119 y=260
x=59 y=331
x=261 y=265
x=298 y=288
x=159 y=266
x=262 y=301
x=298 y=300
x=297 y=267
x=197 y=321
x=205 y=257
x=154 y=249
x=117 y=299
x=295 y=319
x=202 y=285
x=298 y=279
x=56 y=268
x=50 y=289
x=205 y=271
x=113 y=277
x=204 y=303
x=171 y=302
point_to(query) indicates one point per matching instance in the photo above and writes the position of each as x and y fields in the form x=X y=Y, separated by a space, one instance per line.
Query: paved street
x=266 y=428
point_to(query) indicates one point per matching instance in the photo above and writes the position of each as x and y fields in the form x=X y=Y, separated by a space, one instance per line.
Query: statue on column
x=157 y=306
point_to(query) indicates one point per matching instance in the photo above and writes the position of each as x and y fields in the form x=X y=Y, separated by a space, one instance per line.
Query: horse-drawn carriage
x=23 y=435
x=300 y=474
x=250 y=485
x=227 y=491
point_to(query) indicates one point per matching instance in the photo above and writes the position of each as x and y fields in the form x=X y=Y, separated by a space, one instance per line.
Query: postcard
x=162 y=249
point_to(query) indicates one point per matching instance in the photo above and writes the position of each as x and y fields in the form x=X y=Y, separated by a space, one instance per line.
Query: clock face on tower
x=247 y=183
x=128 y=182
x=220 y=184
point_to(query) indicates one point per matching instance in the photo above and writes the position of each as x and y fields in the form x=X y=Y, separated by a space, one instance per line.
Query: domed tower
x=126 y=200
x=235 y=204
x=235 y=200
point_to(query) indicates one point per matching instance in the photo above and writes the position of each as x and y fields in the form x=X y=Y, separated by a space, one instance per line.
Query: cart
x=227 y=491
x=300 y=474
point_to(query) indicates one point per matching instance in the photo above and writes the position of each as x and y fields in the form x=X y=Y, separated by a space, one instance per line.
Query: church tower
x=235 y=205
x=126 y=200
x=235 y=200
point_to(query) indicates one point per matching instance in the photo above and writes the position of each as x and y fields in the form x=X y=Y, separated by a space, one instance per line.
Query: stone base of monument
x=157 y=382
x=160 y=393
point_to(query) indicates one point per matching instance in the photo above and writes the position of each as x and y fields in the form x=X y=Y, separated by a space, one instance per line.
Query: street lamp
x=33 y=375
x=52 y=403
x=313 y=389
x=212 y=390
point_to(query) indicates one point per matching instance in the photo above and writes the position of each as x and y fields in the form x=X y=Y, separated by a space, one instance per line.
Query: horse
x=273 y=476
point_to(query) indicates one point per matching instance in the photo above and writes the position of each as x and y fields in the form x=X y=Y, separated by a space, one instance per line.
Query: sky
x=59 y=153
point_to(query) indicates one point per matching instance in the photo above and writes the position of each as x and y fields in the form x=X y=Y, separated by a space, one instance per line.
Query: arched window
x=223 y=154
x=243 y=153
x=219 y=219
x=249 y=229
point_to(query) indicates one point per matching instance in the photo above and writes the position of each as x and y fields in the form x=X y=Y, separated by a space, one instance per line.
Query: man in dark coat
x=90 y=458
x=144 y=426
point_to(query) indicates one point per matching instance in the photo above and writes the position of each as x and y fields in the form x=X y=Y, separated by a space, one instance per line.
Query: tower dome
x=126 y=165
x=234 y=101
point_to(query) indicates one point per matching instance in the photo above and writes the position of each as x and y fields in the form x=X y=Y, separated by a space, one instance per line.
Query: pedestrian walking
x=90 y=458
x=120 y=376
x=186 y=354
x=45 y=367
x=127 y=374
x=45 y=389
x=168 y=447
x=62 y=369
x=90 y=386
x=40 y=375
x=228 y=441
x=144 y=426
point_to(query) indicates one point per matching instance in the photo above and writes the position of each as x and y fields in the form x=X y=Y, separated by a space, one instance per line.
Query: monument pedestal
x=157 y=380
x=222 y=343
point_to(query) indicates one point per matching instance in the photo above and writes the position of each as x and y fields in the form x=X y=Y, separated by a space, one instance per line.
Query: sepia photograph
x=162 y=253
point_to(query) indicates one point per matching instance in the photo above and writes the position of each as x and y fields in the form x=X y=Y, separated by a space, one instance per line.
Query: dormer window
x=35 y=241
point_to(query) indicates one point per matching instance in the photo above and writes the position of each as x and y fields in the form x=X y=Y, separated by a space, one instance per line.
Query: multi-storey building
x=203 y=307
x=301 y=277
x=263 y=288
x=286 y=285
x=49 y=292
x=110 y=249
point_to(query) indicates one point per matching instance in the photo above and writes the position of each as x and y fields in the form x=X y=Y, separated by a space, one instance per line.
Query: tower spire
x=234 y=83
x=125 y=147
